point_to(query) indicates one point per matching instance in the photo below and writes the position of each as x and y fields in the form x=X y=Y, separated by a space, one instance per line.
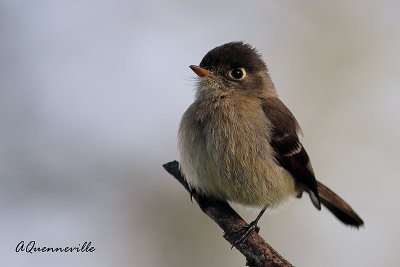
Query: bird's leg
x=250 y=228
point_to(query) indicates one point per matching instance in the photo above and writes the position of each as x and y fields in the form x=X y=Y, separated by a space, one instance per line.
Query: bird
x=238 y=142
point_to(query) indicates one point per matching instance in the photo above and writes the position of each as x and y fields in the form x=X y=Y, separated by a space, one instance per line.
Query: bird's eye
x=237 y=74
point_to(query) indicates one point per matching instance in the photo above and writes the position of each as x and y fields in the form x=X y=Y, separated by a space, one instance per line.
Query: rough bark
x=257 y=252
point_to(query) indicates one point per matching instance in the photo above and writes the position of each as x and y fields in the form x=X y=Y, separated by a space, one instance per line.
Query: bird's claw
x=249 y=229
x=192 y=193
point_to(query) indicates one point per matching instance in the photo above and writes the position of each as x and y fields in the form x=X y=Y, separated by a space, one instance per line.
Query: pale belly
x=230 y=158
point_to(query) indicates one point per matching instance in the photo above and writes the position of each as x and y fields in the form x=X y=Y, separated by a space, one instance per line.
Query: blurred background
x=91 y=95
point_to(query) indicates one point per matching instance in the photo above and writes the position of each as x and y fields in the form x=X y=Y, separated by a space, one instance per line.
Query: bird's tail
x=338 y=206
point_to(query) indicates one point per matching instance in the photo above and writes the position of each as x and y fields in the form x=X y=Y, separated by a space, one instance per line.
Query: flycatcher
x=238 y=142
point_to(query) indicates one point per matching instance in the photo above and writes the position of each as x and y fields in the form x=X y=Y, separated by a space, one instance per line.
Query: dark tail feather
x=338 y=206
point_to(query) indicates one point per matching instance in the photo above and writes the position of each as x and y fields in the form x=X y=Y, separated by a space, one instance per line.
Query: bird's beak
x=200 y=71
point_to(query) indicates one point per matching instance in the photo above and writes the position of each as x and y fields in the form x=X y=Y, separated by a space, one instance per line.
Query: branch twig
x=257 y=252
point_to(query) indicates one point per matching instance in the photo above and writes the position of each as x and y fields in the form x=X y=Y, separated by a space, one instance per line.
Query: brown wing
x=289 y=152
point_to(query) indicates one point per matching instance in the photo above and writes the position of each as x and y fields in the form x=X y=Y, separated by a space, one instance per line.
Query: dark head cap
x=234 y=67
x=233 y=55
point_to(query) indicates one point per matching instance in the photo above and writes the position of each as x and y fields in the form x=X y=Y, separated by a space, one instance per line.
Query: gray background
x=91 y=94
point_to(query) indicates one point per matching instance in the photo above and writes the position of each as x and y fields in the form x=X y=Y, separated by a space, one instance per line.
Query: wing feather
x=289 y=152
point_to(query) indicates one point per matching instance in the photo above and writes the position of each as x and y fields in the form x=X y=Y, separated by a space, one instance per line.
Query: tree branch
x=257 y=252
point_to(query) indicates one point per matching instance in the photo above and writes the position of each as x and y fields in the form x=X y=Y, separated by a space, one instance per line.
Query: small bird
x=238 y=142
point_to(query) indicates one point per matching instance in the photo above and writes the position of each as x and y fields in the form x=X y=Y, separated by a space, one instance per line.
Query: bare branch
x=257 y=252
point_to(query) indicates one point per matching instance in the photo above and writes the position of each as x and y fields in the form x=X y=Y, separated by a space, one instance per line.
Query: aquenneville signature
x=31 y=247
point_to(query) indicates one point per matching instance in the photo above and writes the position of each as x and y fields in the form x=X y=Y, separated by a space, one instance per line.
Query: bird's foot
x=247 y=230
x=192 y=193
